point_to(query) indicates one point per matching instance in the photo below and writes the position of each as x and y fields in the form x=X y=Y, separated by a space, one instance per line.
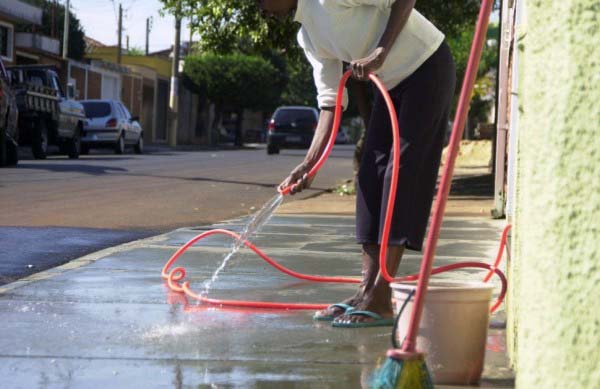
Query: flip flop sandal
x=347 y=308
x=378 y=321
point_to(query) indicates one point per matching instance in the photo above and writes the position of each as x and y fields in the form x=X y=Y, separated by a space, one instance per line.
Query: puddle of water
x=174 y=330
x=259 y=219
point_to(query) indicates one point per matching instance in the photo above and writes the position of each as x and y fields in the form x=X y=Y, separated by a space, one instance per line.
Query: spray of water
x=258 y=220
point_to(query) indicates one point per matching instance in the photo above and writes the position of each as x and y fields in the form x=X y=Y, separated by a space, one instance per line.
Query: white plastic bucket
x=453 y=328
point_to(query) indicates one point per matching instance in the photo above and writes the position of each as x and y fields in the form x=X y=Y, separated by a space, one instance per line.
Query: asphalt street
x=60 y=209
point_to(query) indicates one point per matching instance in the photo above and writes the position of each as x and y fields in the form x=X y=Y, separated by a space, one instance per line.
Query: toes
x=347 y=319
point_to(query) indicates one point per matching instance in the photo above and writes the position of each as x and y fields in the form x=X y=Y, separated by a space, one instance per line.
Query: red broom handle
x=409 y=345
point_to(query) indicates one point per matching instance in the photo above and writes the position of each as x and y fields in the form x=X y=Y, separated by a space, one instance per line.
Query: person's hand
x=298 y=179
x=361 y=68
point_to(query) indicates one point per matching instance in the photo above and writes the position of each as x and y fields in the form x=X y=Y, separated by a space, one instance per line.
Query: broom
x=405 y=367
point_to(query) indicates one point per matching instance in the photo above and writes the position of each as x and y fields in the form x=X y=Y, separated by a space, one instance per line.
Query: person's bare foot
x=334 y=310
x=370 y=269
x=374 y=293
x=378 y=300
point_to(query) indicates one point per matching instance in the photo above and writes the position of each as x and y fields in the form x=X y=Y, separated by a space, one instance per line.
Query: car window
x=125 y=111
x=14 y=76
x=3 y=71
x=96 y=109
x=55 y=84
x=36 y=77
x=117 y=110
x=295 y=115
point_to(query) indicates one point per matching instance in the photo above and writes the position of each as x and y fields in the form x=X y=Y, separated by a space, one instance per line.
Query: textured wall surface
x=556 y=251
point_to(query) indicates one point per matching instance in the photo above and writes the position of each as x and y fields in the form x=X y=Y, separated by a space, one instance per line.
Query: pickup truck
x=46 y=115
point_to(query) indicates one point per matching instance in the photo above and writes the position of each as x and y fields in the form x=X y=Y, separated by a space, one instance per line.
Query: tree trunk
x=239 y=134
x=216 y=124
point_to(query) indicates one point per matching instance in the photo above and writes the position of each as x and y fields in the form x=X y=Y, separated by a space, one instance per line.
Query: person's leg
x=369 y=188
x=370 y=268
x=422 y=103
x=378 y=298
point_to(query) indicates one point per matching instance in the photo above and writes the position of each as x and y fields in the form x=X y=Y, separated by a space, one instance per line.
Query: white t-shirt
x=336 y=31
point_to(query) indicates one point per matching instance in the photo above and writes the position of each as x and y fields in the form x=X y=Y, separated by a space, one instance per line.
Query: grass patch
x=347 y=189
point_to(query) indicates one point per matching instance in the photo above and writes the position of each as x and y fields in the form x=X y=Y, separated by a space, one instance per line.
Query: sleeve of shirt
x=327 y=74
x=381 y=4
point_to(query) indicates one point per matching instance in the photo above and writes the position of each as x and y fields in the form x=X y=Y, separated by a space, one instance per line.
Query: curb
x=77 y=263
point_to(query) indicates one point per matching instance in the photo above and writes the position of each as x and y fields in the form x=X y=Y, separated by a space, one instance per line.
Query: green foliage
x=236 y=80
x=136 y=51
x=76 y=33
x=227 y=26
x=485 y=83
x=450 y=16
x=347 y=189
x=300 y=89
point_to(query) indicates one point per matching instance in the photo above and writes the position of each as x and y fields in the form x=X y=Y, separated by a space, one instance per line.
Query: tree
x=225 y=25
x=481 y=102
x=230 y=25
x=76 y=33
x=136 y=52
x=234 y=80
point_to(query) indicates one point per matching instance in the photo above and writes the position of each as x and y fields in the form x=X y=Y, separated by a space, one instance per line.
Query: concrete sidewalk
x=108 y=320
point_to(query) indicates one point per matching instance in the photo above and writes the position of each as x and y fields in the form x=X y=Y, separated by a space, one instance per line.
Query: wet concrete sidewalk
x=108 y=319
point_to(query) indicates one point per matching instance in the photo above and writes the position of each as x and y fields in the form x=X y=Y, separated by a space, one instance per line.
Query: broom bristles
x=400 y=374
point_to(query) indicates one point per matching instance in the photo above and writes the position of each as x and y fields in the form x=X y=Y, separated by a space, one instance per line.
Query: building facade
x=554 y=320
x=13 y=12
x=144 y=89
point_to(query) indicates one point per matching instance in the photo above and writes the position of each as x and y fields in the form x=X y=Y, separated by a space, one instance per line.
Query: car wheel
x=74 y=147
x=12 y=154
x=272 y=149
x=139 y=146
x=39 y=145
x=120 y=146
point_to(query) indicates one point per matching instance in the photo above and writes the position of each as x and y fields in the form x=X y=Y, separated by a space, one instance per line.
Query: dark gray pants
x=422 y=104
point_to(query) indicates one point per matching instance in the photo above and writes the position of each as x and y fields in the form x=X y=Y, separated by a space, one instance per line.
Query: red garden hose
x=176 y=275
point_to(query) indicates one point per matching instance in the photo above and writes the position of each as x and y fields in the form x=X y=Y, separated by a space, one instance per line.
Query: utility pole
x=174 y=97
x=65 y=51
x=127 y=42
x=148 y=27
x=53 y=20
x=191 y=36
x=120 y=44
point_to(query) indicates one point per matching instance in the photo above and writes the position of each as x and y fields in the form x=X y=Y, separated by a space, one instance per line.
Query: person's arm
x=401 y=9
x=299 y=176
x=327 y=73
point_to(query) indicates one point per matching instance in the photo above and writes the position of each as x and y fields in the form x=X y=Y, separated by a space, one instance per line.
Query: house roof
x=91 y=44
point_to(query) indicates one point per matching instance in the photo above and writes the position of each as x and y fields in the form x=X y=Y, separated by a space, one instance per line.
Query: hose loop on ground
x=177 y=274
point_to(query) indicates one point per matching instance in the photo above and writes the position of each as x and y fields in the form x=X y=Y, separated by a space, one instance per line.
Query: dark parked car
x=342 y=137
x=291 y=127
x=9 y=115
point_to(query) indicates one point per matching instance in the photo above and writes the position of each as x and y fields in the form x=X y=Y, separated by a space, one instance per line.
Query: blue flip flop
x=343 y=306
x=378 y=321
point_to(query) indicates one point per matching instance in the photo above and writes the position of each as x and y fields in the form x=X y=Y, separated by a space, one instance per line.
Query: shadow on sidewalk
x=474 y=186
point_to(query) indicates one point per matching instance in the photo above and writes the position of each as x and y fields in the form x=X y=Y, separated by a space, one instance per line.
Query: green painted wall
x=555 y=278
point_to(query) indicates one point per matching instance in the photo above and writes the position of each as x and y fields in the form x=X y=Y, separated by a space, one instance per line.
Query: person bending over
x=393 y=40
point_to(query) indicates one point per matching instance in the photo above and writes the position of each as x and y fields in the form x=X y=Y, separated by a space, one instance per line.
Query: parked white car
x=110 y=124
